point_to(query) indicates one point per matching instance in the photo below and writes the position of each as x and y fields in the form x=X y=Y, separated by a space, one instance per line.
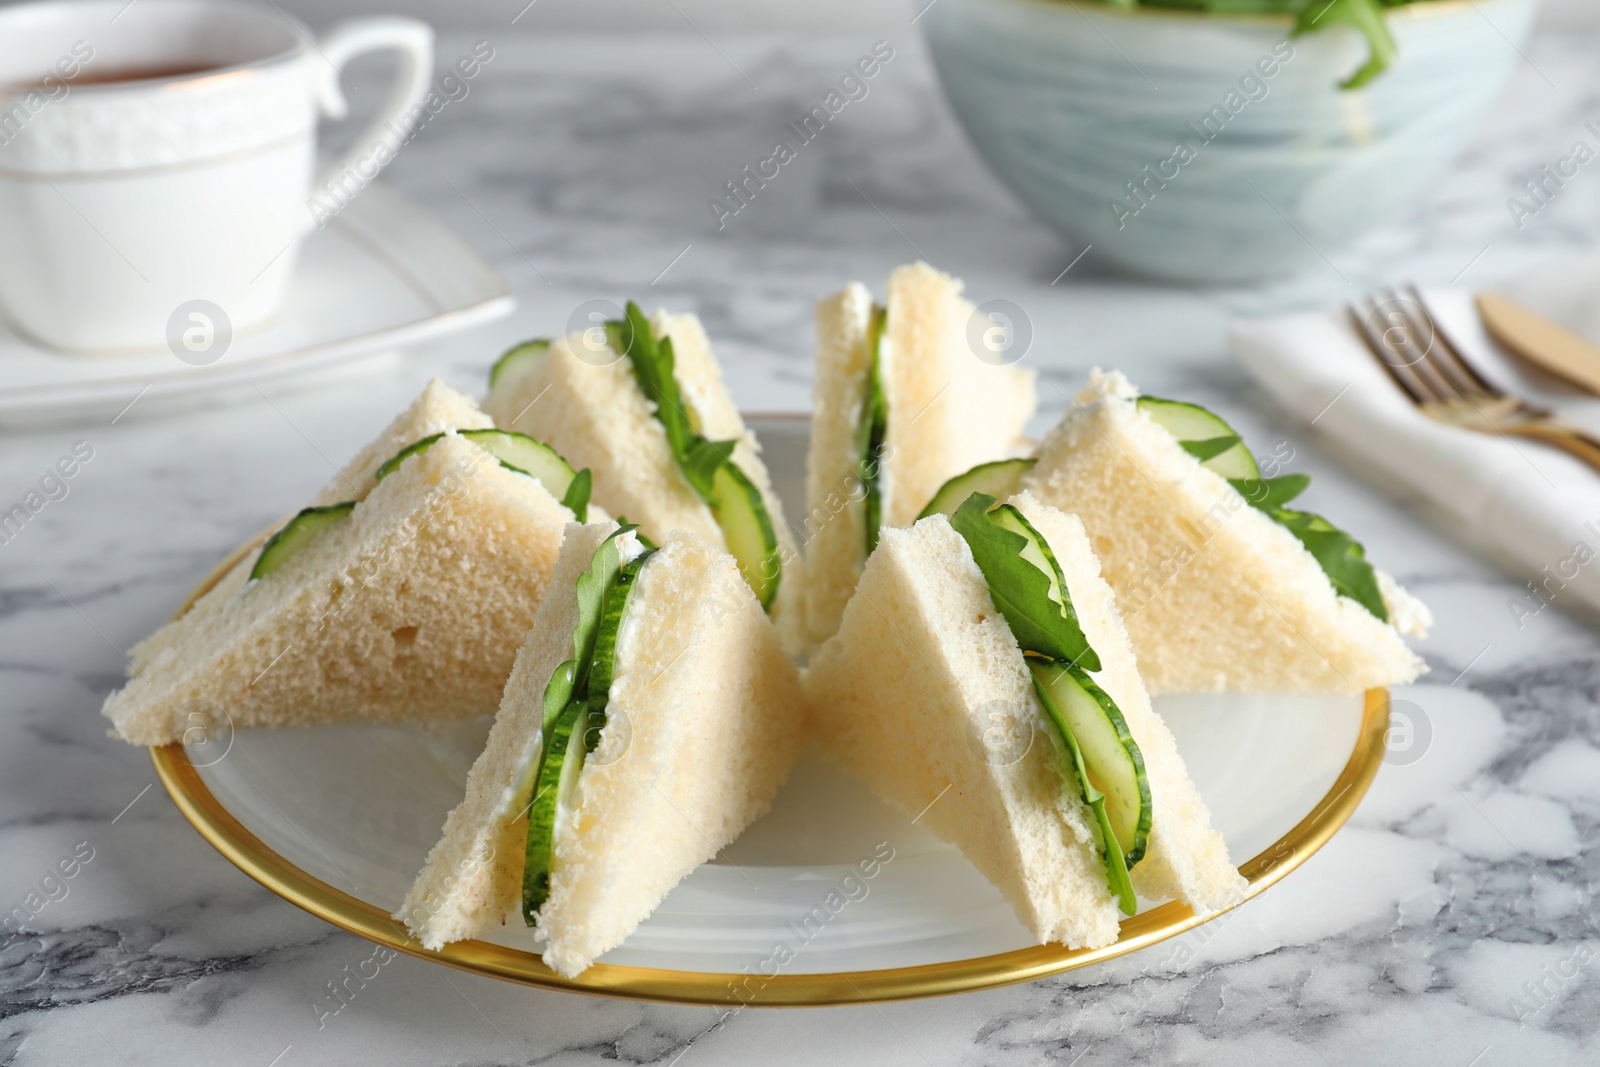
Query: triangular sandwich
x=641 y=403
x=907 y=394
x=405 y=599
x=1222 y=584
x=651 y=716
x=981 y=682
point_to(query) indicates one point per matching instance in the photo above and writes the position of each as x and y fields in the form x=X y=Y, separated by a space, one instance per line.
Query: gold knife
x=1541 y=342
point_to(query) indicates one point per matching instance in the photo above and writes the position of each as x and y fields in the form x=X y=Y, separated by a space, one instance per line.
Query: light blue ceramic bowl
x=1206 y=148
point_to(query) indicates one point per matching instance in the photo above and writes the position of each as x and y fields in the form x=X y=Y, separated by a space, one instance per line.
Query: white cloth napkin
x=1538 y=507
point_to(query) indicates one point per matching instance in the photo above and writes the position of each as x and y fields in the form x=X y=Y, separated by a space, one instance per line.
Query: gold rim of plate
x=247 y=852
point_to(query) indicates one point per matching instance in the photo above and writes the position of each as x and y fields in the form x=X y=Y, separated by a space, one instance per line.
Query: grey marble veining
x=1452 y=922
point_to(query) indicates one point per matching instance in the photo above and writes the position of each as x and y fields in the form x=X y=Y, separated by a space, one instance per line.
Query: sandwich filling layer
x=706 y=465
x=1097 y=755
x=574 y=706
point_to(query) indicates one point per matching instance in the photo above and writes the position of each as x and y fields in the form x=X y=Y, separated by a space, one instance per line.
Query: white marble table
x=1449 y=923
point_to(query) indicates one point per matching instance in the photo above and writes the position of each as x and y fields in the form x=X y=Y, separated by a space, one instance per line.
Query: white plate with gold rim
x=338 y=819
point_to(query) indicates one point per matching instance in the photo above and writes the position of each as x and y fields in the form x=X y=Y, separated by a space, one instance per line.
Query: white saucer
x=384 y=273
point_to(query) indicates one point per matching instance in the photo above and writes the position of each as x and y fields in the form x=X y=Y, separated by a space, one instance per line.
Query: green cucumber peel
x=872 y=431
x=565 y=712
x=998 y=478
x=1343 y=560
x=1020 y=590
x=1116 y=861
x=604 y=662
x=1053 y=644
x=295 y=535
x=518 y=360
x=708 y=466
x=515 y=452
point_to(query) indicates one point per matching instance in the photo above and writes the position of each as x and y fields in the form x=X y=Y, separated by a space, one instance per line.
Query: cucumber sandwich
x=388 y=598
x=981 y=681
x=650 y=717
x=641 y=403
x=1222 y=584
x=901 y=402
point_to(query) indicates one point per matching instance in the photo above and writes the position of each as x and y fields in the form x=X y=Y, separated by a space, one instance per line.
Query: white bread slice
x=1216 y=596
x=903 y=693
x=590 y=409
x=712 y=719
x=949 y=410
x=437 y=409
x=409 y=608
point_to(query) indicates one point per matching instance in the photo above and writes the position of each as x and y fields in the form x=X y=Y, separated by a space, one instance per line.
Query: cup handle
x=348 y=175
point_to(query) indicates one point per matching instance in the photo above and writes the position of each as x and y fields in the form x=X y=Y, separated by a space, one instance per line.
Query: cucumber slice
x=873 y=432
x=1203 y=435
x=526 y=455
x=518 y=360
x=515 y=451
x=1036 y=551
x=1110 y=754
x=555 y=752
x=604 y=665
x=296 y=534
x=1213 y=442
x=1106 y=763
x=737 y=506
x=574 y=712
x=997 y=479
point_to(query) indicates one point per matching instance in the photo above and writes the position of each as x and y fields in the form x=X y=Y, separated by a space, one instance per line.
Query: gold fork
x=1403 y=337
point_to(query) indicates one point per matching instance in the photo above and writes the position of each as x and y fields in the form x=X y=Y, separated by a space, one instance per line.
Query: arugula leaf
x=1367 y=17
x=1268 y=494
x=1210 y=447
x=576 y=498
x=654 y=368
x=1310 y=15
x=701 y=461
x=873 y=430
x=1021 y=590
x=1340 y=556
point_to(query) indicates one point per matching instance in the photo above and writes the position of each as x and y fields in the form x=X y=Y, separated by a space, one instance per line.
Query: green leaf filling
x=1041 y=625
x=1047 y=630
x=1366 y=16
x=872 y=431
x=572 y=707
x=1210 y=447
x=706 y=465
x=576 y=498
x=1270 y=493
x=1339 y=555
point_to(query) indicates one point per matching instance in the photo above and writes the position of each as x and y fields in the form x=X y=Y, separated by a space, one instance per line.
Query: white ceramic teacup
x=156 y=162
